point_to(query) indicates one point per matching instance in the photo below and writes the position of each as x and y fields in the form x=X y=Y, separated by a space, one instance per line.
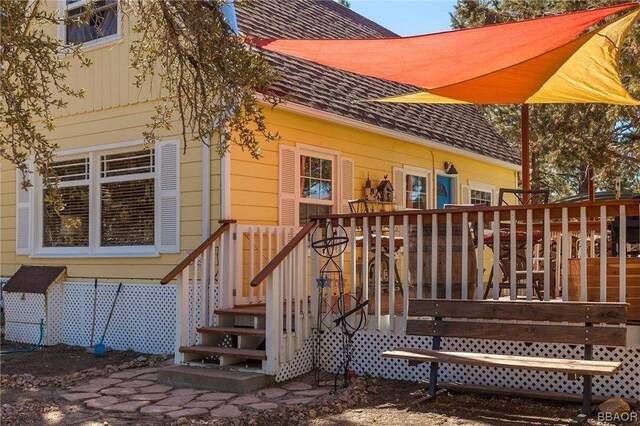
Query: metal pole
x=524 y=125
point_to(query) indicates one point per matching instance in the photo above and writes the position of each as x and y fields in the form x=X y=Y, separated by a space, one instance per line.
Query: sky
x=407 y=17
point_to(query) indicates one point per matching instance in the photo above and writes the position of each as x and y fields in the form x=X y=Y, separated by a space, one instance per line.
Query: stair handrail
x=282 y=254
x=198 y=251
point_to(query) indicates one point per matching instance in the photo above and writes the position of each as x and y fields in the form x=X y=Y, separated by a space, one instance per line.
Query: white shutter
x=288 y=194
x=399 y=185
x=466 y=194
x=168 y=190
x=23 y=214
x=347 y=189
x=495 y=197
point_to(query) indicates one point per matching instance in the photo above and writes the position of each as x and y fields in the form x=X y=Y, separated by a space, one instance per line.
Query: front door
x=443 y=191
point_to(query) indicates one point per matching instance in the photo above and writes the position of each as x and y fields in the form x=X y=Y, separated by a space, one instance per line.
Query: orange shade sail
x=556 y=59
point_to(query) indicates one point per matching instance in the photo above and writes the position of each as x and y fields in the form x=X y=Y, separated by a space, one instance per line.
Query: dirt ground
x=57 y=360
x=392 y=406
x=387 y=402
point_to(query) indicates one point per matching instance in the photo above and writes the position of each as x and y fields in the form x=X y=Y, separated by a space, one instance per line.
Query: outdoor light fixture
x=450 y=169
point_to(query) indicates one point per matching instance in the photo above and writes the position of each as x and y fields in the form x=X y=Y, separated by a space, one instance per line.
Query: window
x=415 y=191
x=127 y=199
x=109 y=202
x=413 y=187
x=66 y=214
x=126 y=206
x=478 y=196
x=116 y=200
x=90 y=21
x=316 y=186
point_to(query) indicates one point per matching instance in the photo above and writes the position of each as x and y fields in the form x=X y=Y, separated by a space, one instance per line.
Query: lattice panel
x=55 y=299
x=143 y=320
x=23 y=312
x=301 y=363
x=367 y=359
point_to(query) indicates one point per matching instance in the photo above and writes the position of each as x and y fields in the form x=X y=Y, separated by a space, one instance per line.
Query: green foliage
x=209 y=77
x=33 y=67
x=565 y=139
x=210 y=80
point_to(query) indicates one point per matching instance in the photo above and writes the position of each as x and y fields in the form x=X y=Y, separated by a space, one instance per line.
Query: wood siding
x=254 y=183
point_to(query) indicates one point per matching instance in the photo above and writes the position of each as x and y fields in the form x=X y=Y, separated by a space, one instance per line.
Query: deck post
x=433 y=369
x=586 y=387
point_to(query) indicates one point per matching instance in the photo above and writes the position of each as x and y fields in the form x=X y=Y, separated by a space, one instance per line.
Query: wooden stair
x=235 y=331
x=217 y=350
x=258 y=310
x=247 y=323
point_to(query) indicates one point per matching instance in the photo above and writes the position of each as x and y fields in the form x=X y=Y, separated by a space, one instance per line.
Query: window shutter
x=23 y=215
x=495 y=197
x=466 y=194
x=168 y=185
x=399 y=183
x=348 y=185
x=288 y=194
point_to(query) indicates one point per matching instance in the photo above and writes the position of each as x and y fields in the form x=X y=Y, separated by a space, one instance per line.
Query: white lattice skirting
x=143 y=319
x=369 y=345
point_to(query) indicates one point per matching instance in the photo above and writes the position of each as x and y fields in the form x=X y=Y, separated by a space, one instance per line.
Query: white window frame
x=421 y=172
x=324 y=154
x=455 y=197
x=483 y=187
x=95 y=212
x=62 y=27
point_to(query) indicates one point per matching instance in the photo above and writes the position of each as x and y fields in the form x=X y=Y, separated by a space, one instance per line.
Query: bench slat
x=594 y=312
x=581 y=367
x=569 y=334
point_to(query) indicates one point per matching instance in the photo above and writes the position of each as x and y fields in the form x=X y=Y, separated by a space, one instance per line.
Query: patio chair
x=523 y=197
x=360 y=206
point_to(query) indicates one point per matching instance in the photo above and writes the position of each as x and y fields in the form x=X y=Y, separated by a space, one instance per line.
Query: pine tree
x=565 y=139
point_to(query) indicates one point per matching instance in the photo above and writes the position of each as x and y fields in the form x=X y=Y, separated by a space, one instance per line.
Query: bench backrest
x=458 y=318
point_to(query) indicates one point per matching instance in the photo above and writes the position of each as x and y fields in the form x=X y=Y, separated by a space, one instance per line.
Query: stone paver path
x=137 y=391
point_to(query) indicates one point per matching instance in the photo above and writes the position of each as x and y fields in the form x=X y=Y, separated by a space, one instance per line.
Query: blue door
x=443 y=191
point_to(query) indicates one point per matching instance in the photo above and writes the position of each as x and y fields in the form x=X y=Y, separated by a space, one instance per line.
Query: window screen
x=66 y=215
x=127 y=199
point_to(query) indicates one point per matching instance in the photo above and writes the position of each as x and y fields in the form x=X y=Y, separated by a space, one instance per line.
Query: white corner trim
x=311 y=112
x=225 y=185
x=206 y=189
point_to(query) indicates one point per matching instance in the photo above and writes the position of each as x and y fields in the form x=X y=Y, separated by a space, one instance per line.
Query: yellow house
x=133 y=213
x=212 y=249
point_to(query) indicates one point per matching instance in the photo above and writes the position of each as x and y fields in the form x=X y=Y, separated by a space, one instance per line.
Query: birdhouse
x=369 y=190
x=385 y=190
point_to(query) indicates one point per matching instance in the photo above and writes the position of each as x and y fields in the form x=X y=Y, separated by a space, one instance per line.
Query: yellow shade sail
x=585 y=70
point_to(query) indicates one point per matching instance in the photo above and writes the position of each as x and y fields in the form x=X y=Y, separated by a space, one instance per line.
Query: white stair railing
x=288 y=320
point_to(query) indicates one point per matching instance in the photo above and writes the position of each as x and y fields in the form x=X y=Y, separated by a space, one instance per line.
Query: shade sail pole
x=524 y=126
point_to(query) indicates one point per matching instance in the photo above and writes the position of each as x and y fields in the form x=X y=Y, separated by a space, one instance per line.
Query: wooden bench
x=573 y=323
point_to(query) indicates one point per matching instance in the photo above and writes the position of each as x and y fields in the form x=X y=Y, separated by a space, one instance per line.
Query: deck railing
x=555 y=252
x=552 y=252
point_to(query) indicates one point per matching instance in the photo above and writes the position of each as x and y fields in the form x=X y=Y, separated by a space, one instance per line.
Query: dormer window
x=92 y=21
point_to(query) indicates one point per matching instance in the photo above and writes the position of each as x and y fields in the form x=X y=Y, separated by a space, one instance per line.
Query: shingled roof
x=341 y=93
